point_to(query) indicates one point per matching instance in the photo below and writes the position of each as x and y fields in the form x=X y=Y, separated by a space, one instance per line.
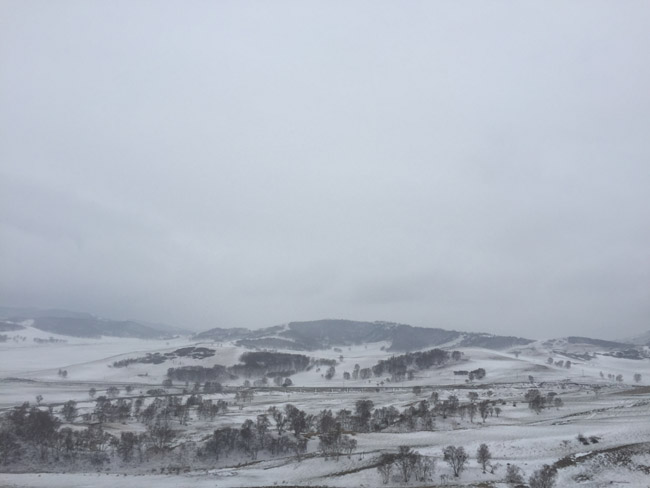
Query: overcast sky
x=478 y=166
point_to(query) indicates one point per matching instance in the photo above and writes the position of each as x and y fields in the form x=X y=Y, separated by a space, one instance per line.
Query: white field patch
x=616 y=415
x=25 y=358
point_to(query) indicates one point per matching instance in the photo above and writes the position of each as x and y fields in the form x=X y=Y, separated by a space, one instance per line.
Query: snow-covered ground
x=618 y=413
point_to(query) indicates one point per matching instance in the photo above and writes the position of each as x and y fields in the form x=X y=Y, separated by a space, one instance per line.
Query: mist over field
x=326 y=244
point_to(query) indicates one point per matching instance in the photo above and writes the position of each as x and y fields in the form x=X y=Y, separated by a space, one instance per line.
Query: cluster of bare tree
x=545 y=477
x=50 y=340
x=261 y=363
x=537 y=402
x=251 y=438
x=407 y=463
x=170 y=407
x=332 y=440
x=278 y=432
x=35 y=434
x=404 y=366
x=619 y=377
x=36 y=431
x=453 y=406
x=559 y=363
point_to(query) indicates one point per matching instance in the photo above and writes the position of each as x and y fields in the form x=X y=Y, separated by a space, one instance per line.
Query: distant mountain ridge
x=641 y=340
x=81 y=324
x=597 y=342
x=322 y=334
x=303 y=336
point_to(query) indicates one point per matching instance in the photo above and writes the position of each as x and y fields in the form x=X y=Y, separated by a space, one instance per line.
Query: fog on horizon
x=481 y=167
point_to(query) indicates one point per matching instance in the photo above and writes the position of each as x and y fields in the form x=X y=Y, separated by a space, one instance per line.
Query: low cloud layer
x=249 y=164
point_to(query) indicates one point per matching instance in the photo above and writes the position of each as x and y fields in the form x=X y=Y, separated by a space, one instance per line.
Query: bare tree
x=543 y=478
x=385 y=466
x=296 y=418
x=348 y=444
x=471 y=411
x=456 y=457
x=279 y=419
x=514 y=476
x=434 y=397
x=126 y=446
x=406 y=461
x=484 y=409
x=69 y=410
x=483 y=456
x=331 y=371
x=262 y=426
x=249 y=438
x=424 y=468
x=9 y=447
x=535 y=400
x=161 y=434
x=363 y=409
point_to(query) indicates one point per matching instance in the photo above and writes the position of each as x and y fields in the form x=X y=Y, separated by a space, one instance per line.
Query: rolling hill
x=77 y=324
x=322 y=334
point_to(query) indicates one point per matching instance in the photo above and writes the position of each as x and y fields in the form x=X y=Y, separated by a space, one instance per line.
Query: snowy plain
x=617 y=413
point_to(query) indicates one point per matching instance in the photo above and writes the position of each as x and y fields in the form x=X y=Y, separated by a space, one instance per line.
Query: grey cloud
x=247 y=164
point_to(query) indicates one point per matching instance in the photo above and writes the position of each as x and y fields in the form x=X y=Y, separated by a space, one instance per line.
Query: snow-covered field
x=617 y=414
